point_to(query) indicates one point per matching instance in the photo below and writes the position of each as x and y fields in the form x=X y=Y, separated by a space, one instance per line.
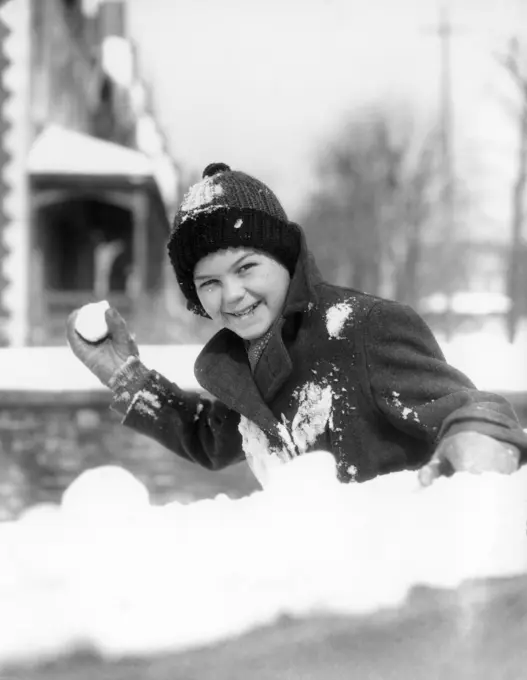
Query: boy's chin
x=250 y=335
x=253 y=333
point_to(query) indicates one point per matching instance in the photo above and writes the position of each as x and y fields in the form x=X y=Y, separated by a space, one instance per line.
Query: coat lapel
x=222 y=368
x=275 y=365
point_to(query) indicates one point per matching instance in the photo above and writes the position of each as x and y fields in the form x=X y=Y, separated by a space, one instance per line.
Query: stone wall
x=47 y=439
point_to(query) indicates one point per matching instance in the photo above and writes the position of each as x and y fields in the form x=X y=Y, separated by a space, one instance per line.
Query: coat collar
x=222 y=367
x=302 y=289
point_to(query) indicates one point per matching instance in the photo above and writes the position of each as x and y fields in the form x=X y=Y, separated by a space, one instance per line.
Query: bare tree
x=357 y=177
x=377 y=198
x=419 y=201
x=512 y=62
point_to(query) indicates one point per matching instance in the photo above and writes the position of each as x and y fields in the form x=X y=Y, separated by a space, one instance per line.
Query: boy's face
x=242 y=289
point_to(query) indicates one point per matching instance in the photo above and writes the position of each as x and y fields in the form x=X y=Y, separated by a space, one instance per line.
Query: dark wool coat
x=350 y=373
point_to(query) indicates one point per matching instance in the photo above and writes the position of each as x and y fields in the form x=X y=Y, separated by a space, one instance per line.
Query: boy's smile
x=242 y=289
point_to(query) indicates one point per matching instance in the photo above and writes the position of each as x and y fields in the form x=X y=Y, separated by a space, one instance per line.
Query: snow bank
x=108 y=571
x=57 y=369
x=489 y=360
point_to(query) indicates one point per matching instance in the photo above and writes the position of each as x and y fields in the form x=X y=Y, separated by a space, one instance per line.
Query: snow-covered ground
x=489 y=359
x=486 y=357
x=109 y=572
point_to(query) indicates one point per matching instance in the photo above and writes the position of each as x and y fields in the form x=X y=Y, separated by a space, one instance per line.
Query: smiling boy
x=299 y=364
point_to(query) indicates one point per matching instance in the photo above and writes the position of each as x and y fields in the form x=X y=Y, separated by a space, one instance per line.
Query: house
x=87 y=185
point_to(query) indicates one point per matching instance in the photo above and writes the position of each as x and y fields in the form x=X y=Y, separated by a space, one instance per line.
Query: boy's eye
x=246 y=266
x=208 y=284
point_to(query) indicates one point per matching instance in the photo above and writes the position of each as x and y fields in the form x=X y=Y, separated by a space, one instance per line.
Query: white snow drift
x=108 y=570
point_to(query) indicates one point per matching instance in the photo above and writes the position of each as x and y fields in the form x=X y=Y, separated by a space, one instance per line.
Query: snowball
x=91 y=321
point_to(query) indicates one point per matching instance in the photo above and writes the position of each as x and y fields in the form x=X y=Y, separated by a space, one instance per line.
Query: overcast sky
x=260 y=85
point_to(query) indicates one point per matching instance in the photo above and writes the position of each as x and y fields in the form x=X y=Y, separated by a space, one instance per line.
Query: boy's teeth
x=249 y=309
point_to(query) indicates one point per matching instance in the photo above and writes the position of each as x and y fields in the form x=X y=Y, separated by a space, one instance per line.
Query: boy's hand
x=105 y=357
x=470 y=452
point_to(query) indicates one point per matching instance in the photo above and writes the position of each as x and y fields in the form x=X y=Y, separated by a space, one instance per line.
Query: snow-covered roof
x=59 y=151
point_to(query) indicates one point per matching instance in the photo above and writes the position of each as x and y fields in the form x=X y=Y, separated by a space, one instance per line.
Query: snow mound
x=108 y=491
x=108 y=571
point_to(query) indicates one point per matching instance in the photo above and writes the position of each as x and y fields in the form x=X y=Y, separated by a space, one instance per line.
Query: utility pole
x=512 y=62
x=444 y=31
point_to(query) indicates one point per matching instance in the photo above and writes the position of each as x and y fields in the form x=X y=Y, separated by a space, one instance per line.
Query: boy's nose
x=233 y=291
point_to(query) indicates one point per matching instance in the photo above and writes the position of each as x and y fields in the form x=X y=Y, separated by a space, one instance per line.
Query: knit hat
x=228 y=209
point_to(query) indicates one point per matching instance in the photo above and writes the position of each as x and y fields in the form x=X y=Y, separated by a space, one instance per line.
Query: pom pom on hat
x=228 y=209
x=214 y=168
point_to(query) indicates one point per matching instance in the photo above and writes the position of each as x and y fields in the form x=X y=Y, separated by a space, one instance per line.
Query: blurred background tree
x=515 y=63
x=374 y=220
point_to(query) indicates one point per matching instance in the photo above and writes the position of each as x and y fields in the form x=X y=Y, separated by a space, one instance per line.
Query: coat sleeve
x=414 y=387
x=199 y=429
